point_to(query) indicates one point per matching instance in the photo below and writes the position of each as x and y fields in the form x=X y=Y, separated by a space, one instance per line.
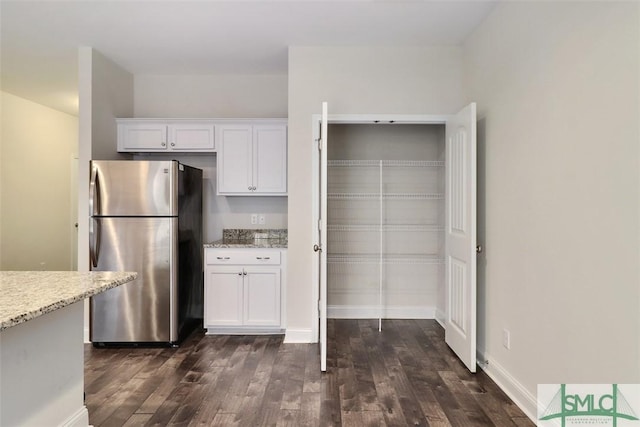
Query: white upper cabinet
x=192 y=137
x=252 y=159
x=141 y=135
x=235 y=159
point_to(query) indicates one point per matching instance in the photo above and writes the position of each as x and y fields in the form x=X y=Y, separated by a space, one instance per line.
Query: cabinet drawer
x=244 y=257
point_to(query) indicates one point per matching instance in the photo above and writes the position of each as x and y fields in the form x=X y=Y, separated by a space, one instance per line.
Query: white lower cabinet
x=223 y=291
x=242 y=291
x=261 y=296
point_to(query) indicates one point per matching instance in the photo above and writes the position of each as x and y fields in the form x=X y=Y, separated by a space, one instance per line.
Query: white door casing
x=460 y=240
x=460 y=235
x=322 y=236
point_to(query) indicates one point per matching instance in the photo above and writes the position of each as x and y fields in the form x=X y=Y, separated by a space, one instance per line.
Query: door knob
x=479 y=249
x=317 y=248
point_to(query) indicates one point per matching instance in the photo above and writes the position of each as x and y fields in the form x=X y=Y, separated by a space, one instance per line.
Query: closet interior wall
x=385 y=220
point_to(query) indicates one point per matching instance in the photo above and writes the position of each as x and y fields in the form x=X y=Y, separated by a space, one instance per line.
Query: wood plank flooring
x=404 y=375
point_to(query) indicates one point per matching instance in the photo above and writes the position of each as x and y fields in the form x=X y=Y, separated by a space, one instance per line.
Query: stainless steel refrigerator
x=146 y=216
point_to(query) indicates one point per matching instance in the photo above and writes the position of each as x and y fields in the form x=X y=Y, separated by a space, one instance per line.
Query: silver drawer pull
x=219 y=257
x=259 y=257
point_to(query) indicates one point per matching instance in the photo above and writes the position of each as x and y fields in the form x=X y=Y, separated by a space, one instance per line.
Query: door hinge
x=319 y=305
x=319 y=225
x=320 y=144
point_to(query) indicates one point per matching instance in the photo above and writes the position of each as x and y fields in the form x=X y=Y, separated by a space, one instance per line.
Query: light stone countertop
x=25 y=295
x=256 y=243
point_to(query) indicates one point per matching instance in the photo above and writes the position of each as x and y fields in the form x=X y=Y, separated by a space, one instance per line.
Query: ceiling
x=39 y=40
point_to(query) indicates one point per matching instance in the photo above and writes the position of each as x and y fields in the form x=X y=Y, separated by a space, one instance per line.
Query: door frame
x=381 y=119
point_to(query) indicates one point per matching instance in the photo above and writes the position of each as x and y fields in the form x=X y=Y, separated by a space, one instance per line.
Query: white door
x=321 y=246
x=460 y=235
x=191 y=136
x=235 y=159
x=144 y=136
x=270 y=159
x=223 y=296
x=261 y=296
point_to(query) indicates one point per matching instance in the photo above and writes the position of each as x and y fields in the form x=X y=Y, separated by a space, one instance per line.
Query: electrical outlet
x=506 y=339
x=254 y=219
x=261 y=219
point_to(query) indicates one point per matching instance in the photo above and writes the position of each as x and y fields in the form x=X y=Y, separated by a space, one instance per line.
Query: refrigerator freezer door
x=133 y=188
x=144 y=310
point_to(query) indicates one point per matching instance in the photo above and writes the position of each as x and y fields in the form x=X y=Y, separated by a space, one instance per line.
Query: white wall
x=557 y=89
x=353 y=80
x=218 y=96
x=38 y=145
x=208 y=96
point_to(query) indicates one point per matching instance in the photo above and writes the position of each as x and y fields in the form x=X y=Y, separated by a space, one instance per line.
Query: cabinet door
x=234 y=159
x=192 y=137
x=262 y=296
x=142 y=136
x=270 y=159
x=223 y=297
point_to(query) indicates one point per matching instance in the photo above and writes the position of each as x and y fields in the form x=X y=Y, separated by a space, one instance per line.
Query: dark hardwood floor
x=405 y=375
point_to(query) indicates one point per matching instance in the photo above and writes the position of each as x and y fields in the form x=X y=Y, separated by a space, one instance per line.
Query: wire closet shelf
x=374 y=227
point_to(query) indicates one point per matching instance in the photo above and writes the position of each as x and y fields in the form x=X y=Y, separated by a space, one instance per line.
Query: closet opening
x=394 y=222
x=385 y=221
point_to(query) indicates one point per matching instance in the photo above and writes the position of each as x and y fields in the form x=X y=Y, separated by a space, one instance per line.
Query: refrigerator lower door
x=144 y=310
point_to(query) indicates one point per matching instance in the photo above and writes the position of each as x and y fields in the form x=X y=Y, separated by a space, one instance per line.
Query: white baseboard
x=86 y=335
x=244 y=331
x=509 y=384
x=298 y=336
x=372 y=312
x=440 y=317
x=79 y=419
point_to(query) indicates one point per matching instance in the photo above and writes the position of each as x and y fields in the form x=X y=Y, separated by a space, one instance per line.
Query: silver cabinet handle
x=240 y=274
x=244 y=273
x=164 y=144
x=173 y=144
x=249 y=188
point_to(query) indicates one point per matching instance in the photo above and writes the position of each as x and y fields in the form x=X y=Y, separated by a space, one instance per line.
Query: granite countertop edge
x=257 y=244
x=29 y=300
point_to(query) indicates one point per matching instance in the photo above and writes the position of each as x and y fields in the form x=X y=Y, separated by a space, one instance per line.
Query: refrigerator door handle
x=94 y=242
x=92 y=253
x=94 y=192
